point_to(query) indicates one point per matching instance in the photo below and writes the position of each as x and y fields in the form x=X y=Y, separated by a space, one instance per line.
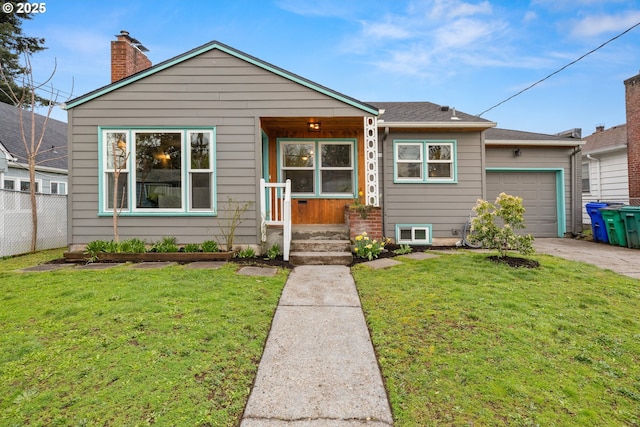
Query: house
x=605 y=176
x=611 y=157
x=188 y=135
x=51 y=167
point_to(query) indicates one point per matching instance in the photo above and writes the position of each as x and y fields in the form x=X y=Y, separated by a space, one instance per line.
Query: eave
x=534 y=142
x=453 y=124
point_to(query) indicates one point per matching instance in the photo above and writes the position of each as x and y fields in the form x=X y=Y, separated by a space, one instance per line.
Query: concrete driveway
x=621 y=260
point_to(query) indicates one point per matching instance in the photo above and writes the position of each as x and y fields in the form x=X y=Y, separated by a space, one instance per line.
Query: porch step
x=320 y=258
x=320 y=245
x=320 y=232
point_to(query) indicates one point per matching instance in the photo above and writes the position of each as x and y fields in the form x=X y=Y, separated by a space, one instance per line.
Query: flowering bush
x=364 y=247
x=510 y=212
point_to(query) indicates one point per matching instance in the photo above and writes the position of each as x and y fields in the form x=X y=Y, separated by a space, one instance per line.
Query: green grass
x=463 y=341
x=171 y=347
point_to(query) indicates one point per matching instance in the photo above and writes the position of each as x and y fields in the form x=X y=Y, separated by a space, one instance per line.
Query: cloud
x=595 y=25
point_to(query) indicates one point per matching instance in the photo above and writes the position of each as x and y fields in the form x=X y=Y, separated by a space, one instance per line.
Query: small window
x=415 y=234
x=586 y=178
x=425 y=161
x=26 y=186
x=58 y=187
x=9 y=184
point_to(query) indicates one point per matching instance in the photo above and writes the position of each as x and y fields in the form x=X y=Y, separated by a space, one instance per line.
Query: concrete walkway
x=318 y=367
x=619 y=259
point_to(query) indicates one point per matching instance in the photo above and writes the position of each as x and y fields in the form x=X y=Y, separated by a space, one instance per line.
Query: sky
x=470 y=55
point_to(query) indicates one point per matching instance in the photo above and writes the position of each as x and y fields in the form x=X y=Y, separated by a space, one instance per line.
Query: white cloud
x=595 y=25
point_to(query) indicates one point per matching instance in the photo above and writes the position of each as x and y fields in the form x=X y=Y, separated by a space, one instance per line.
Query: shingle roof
x=421 y=112
x=609 y=139
x=55 y=135
x=497 y=134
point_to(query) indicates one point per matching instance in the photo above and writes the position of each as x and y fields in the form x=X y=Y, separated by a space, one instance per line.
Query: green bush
x=509 y=211
x=246 y=253
x=191 y=247
x=209 y=246
x=273 y=252
x=135 y=245
x=167 y=244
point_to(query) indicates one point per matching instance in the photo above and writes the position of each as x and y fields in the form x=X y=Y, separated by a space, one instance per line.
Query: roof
x=611 y=139
x=55 y=136
x=417 y=114
x=233 y=52
x=498 y=136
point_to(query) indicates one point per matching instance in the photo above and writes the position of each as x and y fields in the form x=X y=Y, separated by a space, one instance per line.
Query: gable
x=217 y=46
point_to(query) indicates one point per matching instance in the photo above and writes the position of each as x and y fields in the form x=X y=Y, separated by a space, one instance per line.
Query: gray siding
x=543 y=158
x=212 y=89
x=445 y=206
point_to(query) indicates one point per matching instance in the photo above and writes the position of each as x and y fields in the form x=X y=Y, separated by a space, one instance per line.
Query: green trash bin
x=614 y=224
x=631 y=217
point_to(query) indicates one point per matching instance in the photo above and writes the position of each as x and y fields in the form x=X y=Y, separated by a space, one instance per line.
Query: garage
x=539 y=194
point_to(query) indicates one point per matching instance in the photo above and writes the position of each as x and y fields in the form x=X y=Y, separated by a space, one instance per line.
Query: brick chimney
x=632 y=96
x=127 y=57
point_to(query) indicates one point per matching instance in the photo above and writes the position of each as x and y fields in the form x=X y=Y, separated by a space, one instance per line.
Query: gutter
x=39 y=168
x=534 y=142
x=438 y=125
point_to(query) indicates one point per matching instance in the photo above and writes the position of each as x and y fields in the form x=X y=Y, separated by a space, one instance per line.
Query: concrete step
x=320 y=258
x=320 y=245
x=320 y=232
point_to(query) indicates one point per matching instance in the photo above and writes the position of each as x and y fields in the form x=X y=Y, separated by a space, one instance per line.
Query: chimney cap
x=125 y=34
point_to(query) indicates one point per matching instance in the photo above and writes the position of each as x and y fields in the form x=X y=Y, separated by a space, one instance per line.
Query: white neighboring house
x=605 y=176
x=51 y=170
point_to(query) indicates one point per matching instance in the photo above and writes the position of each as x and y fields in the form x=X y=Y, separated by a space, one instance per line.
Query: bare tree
x=32 y=138
x=120 y=157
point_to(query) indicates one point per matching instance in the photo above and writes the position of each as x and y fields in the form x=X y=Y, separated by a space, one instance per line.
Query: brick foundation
x=372 y=224
x=632 y=97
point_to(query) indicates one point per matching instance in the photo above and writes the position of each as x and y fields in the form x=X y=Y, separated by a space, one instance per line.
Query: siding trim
x=235 y=53
x=560 y=197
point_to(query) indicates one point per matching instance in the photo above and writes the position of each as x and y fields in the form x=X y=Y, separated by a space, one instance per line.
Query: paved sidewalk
x=619 y=259
x=318 y=366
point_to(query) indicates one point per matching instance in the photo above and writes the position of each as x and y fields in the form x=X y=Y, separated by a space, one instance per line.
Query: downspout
x=597 y=174
x=575 y=206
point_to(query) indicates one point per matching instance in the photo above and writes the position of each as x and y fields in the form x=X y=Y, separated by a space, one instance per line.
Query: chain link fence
x=16 y=226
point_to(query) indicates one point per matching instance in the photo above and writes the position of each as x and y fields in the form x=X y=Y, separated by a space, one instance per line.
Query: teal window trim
x=132 y=211
x=413 y=228
x=424 y=144
x=560 y=195
x=317 y=142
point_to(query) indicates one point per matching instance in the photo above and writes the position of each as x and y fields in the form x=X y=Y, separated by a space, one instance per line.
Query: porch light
x=517 y=152
x=313 y=127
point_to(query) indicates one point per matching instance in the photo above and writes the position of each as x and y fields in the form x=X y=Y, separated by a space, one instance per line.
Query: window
x=586 y=181
x=416 y=234
x=319 y=167
x=9 y=184
x=58 y=187
x=158 y=170
x=424 y=161
x=26 y=186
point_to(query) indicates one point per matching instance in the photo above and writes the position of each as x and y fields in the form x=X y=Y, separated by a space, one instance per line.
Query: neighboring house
x=605 y=176
x=192 y=132
x=51 y=167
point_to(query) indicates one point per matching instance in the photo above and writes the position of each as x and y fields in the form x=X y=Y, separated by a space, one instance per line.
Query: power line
x=561 y=69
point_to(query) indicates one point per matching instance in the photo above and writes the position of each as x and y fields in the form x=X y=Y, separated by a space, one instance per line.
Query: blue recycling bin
x=598 y=226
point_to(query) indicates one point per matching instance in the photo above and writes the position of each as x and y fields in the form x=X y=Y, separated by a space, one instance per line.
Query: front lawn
x=463 y=341
x=119 y=347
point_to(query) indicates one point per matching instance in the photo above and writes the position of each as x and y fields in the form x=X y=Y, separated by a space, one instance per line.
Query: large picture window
x=319 y=168
x=424 y=161
x=158 y=170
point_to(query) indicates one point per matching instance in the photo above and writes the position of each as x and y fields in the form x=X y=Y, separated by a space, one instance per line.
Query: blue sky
x=469 y=55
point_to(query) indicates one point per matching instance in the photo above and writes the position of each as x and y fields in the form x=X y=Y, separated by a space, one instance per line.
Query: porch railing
x=275 y=209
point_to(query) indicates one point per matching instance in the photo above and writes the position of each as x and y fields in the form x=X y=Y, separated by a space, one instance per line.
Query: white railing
x=275 y=209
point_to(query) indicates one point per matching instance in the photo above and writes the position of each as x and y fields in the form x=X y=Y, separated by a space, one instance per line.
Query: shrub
x=167 y=244
x=246 y=253
x=191 y=247
x=403 y=249
x=135 y=245
x=209 y=246
x=364 y=247
x=273 y=252
x=486 y=230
